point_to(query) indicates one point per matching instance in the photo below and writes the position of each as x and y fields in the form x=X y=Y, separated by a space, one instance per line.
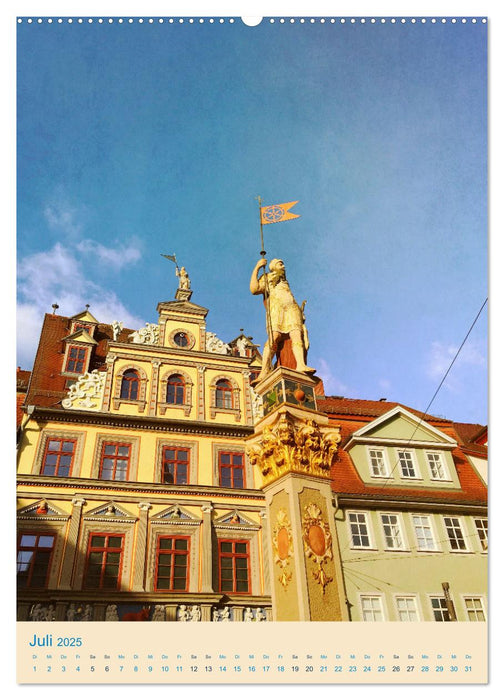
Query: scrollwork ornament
x=283 y=548
x=87 y=391
x=149 y=335
x=317 y=542
x=216 y=345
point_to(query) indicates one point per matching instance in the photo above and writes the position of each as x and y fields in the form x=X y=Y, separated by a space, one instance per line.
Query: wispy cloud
x=59 y=276
x=332 y=385
x=116 y=257
x=441 y=355
x=65 y=218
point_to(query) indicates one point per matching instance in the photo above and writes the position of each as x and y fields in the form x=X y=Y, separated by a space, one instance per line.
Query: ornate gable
x=42 y=510
x=235 y=519
x=85 y=321
x=81 y=335
x=176 y=513
x=109 y=511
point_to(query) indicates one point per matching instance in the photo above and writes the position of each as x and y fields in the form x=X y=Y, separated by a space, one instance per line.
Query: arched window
x=129 y=385
x=175 y=389
x=223 y=394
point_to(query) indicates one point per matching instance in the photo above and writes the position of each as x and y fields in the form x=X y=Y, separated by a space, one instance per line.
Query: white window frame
x=483 y=544
x=374 y=596
x=368 y=530
x=432 y=528
x=407 y=596
x=438 y=596
x=404 y=545
x=474 y=596
x=386 y=466
x=463 y=533
x=414 y=463
x=442 y=461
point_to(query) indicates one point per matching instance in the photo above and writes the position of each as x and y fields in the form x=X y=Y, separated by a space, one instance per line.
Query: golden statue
x=284 y=318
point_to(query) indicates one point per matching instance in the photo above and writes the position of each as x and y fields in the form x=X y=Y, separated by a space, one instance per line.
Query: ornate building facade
x=155 y=483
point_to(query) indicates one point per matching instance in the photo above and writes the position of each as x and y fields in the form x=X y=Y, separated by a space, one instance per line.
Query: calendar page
x=252 y=348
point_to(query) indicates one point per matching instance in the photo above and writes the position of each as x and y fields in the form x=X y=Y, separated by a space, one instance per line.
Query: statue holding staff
x=283 y=315
x=183 y=278
x=184 y=281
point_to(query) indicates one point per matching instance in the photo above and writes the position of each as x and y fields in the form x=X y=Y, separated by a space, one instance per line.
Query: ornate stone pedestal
x=293 y=448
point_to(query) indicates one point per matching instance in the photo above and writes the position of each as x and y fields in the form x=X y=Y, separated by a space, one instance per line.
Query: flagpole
x=262 y=253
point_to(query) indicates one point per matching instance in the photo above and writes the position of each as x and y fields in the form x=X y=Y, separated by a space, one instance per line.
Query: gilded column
x=293 y=449
x=141 y=547
x=71 y=544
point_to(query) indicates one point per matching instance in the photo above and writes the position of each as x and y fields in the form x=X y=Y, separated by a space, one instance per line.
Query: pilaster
x=71 y=545
x=141 y=547
x=206 y=549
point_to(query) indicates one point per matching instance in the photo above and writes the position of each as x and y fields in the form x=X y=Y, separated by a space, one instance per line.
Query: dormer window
x=85 y=321
x=76 y=359
x=82 y=326
x=437 y=467
x=378 y=462
x=407 y=464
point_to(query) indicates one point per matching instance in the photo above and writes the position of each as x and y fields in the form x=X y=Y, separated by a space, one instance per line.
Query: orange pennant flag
x=278 y=212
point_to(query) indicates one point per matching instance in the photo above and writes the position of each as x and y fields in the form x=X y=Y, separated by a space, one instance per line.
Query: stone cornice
x=179 y=356
x=158 y=493
x=145 y=597
x=410 y=503
x=166 y=425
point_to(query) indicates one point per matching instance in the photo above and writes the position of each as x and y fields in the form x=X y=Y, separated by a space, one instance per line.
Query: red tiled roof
x=468 y=431
x=472 y=437
x=355 y=414
x=19 y=411
x=22 y=379
x=48 y=385
x=365 y=407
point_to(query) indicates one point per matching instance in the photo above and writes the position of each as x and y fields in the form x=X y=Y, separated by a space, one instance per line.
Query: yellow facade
x=133 y=503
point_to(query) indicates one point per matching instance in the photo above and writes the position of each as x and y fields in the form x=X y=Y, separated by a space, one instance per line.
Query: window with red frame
x=129 y=385
x=231 y=470
x=175 y=389
x=82 y=326
x=223 y=394
x=175 y=466
x=172 y=564
x=33 y=559
x=58 y=457
x=104 y=558
x=115 y=460
x=234 y=566
x=76 y=359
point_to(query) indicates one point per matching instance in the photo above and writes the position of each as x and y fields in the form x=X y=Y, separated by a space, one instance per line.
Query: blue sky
x=141 y=139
